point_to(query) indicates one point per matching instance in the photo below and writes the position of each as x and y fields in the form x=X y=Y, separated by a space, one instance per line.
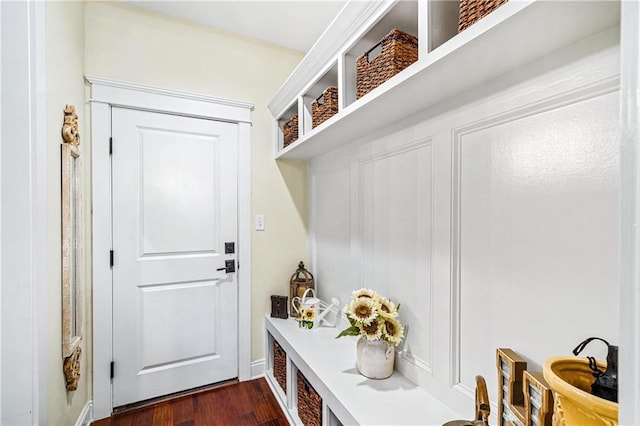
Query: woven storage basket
x=309 y=403
x=280 y=365
x=290 y=131
x=399 y=50
x=320 y=112
x=473 y=10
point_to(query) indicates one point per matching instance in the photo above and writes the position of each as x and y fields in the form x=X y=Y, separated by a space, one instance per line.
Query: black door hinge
x=111 y=369
x=110 y=146
x=111 y=258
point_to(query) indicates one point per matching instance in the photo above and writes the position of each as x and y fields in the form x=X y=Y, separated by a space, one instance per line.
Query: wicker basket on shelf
x=398 y=51
x=473 y=10
x=290 y=131
x=280 y=365
x=325 y=106
x=309 y=403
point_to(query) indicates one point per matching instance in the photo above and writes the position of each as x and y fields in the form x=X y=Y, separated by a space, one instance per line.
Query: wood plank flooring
x=244 y=403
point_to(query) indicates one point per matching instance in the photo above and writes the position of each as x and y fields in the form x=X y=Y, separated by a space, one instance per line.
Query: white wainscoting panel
x=331 y=194
x=395 y=211
x=537 y=249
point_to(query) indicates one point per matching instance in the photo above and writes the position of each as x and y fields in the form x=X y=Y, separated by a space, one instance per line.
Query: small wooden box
x=279 y=306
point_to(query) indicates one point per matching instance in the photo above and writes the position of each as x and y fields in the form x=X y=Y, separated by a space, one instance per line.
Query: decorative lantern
x=300 y=281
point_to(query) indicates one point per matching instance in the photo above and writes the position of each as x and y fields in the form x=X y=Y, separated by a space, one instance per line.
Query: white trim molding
x=23 y=193
x=104 y=95
x=629 y=390
x=138 y=96
x=244 y=252
x=257 y=368
x=86 y=415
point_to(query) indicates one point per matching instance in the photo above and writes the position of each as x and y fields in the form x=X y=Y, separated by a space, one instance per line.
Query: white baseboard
x=86 y=415
x=257 y=368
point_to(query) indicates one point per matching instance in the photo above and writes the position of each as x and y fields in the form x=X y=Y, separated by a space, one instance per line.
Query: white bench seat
x=329 y=366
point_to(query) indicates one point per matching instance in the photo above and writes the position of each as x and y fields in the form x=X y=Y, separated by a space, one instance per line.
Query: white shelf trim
x=507 y=39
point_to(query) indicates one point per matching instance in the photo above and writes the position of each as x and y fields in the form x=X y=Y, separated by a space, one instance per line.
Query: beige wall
x=131 y=44
x=65 y=85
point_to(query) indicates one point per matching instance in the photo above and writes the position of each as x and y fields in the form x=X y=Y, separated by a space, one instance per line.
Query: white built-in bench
x=329 y=364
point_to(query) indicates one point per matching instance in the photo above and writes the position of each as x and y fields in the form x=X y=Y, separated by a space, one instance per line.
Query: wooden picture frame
x=72 y=253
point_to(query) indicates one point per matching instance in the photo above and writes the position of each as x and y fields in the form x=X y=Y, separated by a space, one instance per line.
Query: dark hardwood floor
x=244 y=403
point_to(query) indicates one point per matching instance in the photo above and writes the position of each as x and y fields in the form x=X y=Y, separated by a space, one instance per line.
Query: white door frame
x=105 y=94
x=23 y=224
x=629 y=388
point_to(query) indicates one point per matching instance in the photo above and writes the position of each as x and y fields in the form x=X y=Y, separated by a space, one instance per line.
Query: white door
x=174 y=208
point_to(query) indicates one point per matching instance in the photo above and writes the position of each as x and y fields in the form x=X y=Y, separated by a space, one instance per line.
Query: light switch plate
x=259 y=222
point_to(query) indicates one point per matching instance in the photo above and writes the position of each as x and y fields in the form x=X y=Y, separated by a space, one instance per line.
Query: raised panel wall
x=537 y=249
x=395 y=216
x=332 y=196
x=492 y=219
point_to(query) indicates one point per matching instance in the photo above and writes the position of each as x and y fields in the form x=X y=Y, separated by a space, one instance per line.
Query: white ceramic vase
x=375 y=358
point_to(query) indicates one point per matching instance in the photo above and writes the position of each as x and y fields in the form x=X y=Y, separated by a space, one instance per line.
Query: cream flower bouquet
x=374 y=317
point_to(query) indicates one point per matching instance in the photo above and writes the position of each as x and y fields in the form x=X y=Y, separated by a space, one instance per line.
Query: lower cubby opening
x=309 y=402
x=280 y=366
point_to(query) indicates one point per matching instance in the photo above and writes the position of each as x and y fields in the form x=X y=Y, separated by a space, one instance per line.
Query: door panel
x=178 y=181
x=174 y=207
x=166 y=339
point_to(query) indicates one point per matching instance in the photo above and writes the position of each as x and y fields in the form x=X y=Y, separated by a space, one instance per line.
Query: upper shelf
x=515 y=34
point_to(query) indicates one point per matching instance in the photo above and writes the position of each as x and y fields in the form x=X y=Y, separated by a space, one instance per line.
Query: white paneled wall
x=492 y=219
x=537 y=222
x=396 y=241
x=333 y=229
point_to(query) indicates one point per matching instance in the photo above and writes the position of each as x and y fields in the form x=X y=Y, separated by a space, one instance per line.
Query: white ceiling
x=295 y=24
